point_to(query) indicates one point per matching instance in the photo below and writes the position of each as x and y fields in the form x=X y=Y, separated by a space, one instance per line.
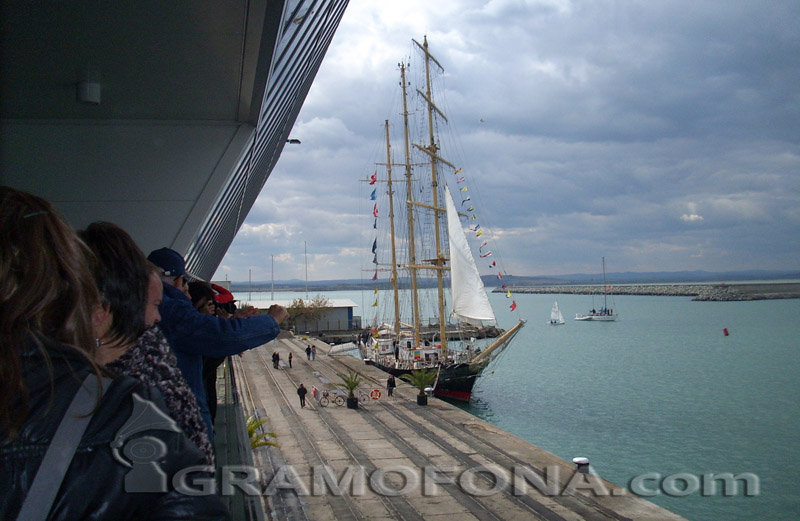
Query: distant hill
x=491 y=281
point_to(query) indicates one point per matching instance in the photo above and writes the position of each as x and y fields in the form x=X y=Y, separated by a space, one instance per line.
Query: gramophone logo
x=142 y=453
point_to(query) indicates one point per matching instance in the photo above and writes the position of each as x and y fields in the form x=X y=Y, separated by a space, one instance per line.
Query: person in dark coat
x=48 y=344
x=390 y=385
x=193 y=335
x=308 y=352
x=301 y=392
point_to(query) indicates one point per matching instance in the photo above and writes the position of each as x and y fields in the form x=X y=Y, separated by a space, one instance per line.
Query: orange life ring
x=375 y=394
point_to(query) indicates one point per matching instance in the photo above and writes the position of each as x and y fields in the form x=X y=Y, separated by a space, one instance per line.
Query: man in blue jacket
x=193 y=335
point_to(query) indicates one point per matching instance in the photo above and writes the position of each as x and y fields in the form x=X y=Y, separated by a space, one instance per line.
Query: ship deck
x=414 y=462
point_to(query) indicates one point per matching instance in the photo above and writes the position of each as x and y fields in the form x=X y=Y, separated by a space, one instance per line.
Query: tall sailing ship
x=424 y=252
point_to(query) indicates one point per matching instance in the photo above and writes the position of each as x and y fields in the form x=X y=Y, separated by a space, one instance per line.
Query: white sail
x=555 y=315
x=470 y=302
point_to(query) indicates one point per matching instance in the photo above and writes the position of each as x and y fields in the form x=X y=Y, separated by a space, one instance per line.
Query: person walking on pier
x=276 y=360
x=313 y=352
x=301 y=392
x=308 y=351
x=290 y=360
x=390 y=385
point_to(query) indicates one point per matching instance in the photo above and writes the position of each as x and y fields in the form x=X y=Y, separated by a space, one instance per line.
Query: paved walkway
x=393 y=459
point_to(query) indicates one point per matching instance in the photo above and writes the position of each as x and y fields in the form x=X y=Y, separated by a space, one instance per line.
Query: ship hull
x=455 y=380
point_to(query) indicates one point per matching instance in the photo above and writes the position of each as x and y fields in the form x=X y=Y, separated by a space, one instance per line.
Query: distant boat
x=604 y=314
x=556 y=318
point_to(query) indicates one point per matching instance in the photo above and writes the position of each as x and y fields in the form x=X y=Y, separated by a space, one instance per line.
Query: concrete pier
x=394 y=459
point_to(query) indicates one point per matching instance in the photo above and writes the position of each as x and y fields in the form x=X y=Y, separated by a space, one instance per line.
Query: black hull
x=455 y=381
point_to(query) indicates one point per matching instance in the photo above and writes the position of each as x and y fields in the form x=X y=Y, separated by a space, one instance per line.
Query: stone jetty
x=708 y=292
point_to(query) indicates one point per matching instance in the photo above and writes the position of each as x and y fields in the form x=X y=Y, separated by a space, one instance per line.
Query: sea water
x=661 y=397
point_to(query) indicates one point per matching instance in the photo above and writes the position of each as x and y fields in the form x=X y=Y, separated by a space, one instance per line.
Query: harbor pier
x=705 y=292
x=393 y=459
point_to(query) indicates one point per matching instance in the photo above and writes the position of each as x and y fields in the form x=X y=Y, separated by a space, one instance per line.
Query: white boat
x=556 y=318
x=604 y=314
x=424 y=244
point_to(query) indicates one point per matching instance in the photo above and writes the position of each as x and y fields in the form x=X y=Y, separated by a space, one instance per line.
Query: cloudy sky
x=663 y=135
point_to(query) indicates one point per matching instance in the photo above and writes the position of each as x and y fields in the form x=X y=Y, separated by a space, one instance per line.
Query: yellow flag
x=375 y=304
x=508 y=293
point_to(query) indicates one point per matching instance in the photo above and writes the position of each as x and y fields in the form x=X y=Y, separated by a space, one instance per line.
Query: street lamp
x=293 y=141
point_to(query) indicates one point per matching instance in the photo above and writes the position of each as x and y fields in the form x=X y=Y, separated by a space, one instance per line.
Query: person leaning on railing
x=193 y=335
x=129 y=343
x=60 y=462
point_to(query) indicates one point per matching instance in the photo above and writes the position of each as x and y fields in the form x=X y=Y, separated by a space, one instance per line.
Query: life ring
x=375 y=394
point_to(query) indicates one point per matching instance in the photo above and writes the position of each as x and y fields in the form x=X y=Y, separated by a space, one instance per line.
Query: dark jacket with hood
x=97 y=484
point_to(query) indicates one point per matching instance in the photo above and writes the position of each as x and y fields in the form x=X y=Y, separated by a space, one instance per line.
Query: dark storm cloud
x=661 y=134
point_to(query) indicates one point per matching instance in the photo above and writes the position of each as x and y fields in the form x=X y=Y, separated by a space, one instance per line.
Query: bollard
x=582 y=463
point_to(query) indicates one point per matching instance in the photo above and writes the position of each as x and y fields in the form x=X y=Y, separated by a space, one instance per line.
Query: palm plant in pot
x=351 y=382
x=421 y=379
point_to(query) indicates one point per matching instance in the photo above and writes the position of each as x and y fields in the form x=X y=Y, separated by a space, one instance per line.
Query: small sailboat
x=556 y=318
x=604 y=314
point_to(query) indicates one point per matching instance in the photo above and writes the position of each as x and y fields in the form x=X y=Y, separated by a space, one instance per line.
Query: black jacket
x=95 y=484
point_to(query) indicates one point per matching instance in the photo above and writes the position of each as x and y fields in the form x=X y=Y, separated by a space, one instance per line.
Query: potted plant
x=351 y=382
x=258 y=438
x=421 y=379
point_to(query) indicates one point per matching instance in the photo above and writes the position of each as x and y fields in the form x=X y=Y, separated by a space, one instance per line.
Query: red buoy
x=725 y=331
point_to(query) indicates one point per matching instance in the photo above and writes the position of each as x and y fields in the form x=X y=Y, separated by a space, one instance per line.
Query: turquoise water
x=662 y=390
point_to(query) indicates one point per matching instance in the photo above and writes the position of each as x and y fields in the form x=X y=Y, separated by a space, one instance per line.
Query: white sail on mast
x=469 y=298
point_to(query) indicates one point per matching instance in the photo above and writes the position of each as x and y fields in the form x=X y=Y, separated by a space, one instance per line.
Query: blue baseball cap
x=170 y=261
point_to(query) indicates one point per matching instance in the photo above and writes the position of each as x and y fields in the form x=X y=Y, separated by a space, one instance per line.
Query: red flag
x=375 y=210
x=513 y=305
x=500 y=276
x=493 y=264
x=373 y=178
x=505 y=286
x=375 y=277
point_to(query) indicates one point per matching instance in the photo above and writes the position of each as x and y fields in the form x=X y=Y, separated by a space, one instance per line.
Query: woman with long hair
x=128 y=342
x=47 y=352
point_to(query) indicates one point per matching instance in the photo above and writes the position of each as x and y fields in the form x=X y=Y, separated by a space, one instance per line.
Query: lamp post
x=293 y=141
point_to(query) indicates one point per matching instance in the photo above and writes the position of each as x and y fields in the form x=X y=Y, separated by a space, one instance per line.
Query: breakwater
x=704 y=292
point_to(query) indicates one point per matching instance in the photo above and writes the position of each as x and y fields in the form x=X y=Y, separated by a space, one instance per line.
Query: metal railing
x=232 y=443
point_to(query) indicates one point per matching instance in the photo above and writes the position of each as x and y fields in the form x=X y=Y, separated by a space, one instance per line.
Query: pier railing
x=232 y=443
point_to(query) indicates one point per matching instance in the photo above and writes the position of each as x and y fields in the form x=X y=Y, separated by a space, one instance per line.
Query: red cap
x=224 y=298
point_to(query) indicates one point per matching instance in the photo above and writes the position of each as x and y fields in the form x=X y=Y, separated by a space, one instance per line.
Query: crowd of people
x=107 y=364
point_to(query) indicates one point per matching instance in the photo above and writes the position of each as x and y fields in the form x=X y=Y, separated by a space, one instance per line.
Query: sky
x=661 y=135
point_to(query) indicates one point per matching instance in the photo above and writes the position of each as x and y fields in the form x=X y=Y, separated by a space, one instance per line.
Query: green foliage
x=350 y=382
x=308 y=310
x=420 y=378
x=257 y=438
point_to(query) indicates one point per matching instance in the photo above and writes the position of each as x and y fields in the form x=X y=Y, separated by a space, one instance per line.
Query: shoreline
x=719 y=292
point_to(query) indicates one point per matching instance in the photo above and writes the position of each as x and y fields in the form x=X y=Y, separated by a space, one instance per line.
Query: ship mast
x=437 y=264
x=412 y=261
x=391 y=233
x=605 y=288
